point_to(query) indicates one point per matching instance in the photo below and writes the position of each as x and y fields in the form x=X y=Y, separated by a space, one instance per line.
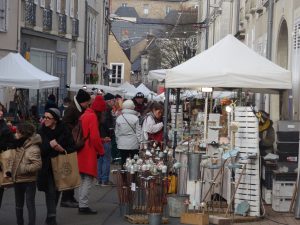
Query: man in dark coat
x=70 y=118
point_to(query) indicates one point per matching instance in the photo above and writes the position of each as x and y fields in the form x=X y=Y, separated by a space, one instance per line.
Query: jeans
x=25 y=190
x=84 y=189
x=104 y=163
x=52 y=196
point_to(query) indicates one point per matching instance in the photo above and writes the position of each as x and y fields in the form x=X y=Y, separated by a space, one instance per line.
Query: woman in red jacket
x=87 y=157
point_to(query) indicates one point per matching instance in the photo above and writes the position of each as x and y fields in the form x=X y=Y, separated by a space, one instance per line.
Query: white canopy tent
x=159 y=75
x=15 y=71
x=147 y=92
x=228 y=64
x=90 y=87
x=130 y=90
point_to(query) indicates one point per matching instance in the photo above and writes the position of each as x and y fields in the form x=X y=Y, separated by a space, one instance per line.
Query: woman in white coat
x=128 y=131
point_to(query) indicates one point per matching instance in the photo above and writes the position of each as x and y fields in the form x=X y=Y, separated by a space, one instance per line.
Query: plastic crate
x=287 y=147
x=288 y=157
x=290 y=136
x=281 y=204
x=267 y=195
x=283 y=188
x=287 y=167
x=267 y=173
x=284 y=176
x=288 y=125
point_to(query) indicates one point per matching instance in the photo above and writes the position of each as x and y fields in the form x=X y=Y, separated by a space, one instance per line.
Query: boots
x=51 y=221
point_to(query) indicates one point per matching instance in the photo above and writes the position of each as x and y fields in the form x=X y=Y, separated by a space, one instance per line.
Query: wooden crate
x=194 y=218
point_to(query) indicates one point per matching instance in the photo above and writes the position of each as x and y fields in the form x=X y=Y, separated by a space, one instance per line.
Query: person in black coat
x=6 y=136
x=51 y=102
x=56 y=139
x=70 y=118
x=7 y=141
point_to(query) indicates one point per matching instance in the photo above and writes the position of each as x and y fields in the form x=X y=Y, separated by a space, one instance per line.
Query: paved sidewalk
x=105 y=200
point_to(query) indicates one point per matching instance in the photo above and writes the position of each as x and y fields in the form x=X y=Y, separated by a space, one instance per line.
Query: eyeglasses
x=48 y=118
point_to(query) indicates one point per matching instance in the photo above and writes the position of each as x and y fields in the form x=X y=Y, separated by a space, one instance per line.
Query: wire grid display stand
x=247 y=141
x=141 y=193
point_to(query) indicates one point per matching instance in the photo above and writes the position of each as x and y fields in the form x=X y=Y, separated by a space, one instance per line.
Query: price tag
x=133 y=187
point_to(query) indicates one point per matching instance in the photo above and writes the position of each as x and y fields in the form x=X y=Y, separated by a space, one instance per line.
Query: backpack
x=78 y=137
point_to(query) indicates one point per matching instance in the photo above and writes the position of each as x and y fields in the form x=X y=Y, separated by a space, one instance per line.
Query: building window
x=3 y=15
x=124 y=4
x=168 y=9
x=116 y=75
x=92 y=37
x=146 y=9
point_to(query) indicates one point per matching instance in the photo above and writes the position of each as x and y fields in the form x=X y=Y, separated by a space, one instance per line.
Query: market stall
x=17 y=72
x=229 y=65
x=130 y=90
x=93 y=87
x=17 y=76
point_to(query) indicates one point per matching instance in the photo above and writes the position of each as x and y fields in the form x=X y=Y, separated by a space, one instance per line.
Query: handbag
x=65 y=171
x=6 y=163
x=128 y=123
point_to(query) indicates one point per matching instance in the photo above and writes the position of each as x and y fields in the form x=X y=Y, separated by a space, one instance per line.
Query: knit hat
x=139 y=95
x=51 y=97
x=128 y=104
x=55 y=113
x=108 y=97
x=98 y=104
x=82 y=96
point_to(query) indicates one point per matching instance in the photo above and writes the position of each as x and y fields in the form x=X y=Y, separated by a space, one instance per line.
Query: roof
x=126 y=12
x=136 y=65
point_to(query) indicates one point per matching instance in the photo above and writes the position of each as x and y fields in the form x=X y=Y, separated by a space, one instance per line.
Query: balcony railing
x=30 y=14
x=47 y=19
x=62 y=24
x=75 y=28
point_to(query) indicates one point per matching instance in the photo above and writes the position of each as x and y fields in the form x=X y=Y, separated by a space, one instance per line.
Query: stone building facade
x=65 y=38
x=249 y=21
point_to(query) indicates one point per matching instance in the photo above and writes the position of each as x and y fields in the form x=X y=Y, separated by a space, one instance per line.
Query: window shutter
x=3 y=16
x=72 y=8
x=296 y=36
x=42 y=3
x=52 y=5
x=58 y=5
x=67 y=7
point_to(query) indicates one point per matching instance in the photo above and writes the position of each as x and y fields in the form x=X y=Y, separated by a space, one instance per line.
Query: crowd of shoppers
x=106 y=121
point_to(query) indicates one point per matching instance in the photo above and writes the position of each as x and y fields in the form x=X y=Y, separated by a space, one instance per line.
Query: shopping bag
x=172 y=181
x=6 y=163
x=65 y=171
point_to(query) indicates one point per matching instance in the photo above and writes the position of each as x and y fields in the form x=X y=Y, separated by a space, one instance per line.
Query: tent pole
x=177 y=109
x=38 y=101
x=166 y=105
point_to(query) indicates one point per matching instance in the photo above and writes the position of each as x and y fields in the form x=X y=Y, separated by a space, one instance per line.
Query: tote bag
x=6 y=163
x=65 y=171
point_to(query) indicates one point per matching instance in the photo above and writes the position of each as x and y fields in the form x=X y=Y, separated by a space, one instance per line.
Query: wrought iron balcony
x=62 y=24
x=30 y=14
x=47 y=19
x=75 y=28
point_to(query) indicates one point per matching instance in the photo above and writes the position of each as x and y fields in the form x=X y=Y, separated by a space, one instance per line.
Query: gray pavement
x=103 y=199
